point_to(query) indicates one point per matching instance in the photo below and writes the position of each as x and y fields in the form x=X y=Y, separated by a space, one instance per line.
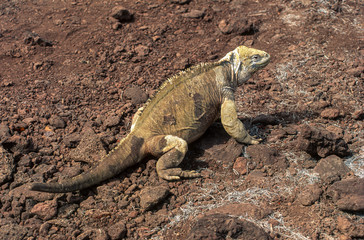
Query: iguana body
x=184 y=107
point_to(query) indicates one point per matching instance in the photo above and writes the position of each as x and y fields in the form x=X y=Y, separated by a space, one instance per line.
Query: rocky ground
x=73 y=72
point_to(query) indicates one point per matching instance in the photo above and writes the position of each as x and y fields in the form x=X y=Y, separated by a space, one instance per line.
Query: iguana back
x=185 y=105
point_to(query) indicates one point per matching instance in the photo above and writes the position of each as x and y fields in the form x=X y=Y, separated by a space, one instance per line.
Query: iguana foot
x=190 y=174
x=255 y=141
x=177 y=173
x=250 y=140
x=170 y=174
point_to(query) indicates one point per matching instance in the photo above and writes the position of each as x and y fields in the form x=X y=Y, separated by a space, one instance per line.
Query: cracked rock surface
x=73 y=73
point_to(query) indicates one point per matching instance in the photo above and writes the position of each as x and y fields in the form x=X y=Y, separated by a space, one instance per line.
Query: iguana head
x=244 y=62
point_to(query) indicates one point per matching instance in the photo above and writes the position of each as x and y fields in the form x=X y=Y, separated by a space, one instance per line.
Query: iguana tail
x=126 y=154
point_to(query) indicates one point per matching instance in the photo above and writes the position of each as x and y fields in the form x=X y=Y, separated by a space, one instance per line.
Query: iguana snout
x=259 y=61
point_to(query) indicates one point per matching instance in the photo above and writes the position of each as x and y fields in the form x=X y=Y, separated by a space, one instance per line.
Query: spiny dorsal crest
x=236 y=56
x=188 y=73
x=182 y=76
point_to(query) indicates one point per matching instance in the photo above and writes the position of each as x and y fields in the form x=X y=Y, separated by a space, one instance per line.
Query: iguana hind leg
x=171 y=150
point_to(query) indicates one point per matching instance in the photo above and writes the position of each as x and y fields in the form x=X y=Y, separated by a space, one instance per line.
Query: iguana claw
x=255 y=141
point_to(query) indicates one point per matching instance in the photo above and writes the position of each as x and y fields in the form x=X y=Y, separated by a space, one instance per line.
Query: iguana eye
x=256 y=58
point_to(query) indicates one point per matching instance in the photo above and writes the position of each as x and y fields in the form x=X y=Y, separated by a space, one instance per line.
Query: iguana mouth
x=264 y=64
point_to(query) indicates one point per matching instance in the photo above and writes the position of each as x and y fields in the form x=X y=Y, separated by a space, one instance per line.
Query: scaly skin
x=184 y=107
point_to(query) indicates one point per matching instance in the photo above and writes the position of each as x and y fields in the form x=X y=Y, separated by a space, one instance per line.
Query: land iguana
x=181 y=111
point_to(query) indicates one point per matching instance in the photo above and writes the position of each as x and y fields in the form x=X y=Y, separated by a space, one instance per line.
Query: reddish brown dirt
x=72 y=76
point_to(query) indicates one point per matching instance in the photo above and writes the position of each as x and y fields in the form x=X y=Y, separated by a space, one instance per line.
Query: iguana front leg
x=171 y=150
x=233 y=126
